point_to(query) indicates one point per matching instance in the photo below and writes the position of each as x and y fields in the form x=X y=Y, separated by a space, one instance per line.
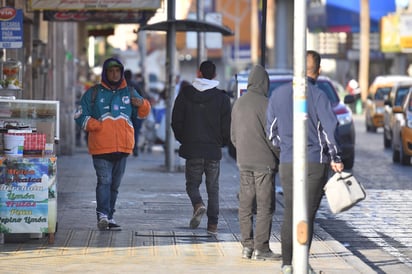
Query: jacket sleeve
x=233 y=124
x=144 y=110
x=178 y=117
x=226 y=120
x=83 y=115
x=329 y=125
x=271 y=124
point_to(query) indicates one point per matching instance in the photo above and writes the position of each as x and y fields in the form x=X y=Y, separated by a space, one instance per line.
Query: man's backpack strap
x=94 y=94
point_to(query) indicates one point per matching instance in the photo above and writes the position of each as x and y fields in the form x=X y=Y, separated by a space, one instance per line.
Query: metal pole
x=201 y=48
x=141 y=40
x=263 y=34
x=170 y=67
x=300 y=215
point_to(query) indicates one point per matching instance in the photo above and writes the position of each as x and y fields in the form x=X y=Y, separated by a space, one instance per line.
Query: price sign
x=11 y=28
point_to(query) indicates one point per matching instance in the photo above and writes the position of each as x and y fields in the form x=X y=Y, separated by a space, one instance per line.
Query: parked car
x=378 y=93
x=346 y=129
x=396 y=97
x=402 y=132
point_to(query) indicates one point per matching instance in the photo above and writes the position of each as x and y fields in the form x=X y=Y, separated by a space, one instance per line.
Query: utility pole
x=254 y=29
x=364 y=49
x=263 y=33
x=300 y=200
x=170 y=68
x=201 y=48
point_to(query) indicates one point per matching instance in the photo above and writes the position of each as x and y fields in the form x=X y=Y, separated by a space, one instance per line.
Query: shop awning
x=188 y=25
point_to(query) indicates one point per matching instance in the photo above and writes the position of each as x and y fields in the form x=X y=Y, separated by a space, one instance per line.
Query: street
x=379 y=229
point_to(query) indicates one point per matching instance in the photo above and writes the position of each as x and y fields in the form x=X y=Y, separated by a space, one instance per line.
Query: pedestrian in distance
x=257 y=160
x=106 y=112
x=137 y=123
x=322 y=150
x=201 y=124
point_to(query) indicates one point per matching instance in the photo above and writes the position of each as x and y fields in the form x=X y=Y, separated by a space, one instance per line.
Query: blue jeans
x=194 y=172
x=109 y=175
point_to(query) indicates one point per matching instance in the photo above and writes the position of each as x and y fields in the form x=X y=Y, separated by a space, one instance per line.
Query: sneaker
x=247 y=253
x=198 y=212
x=212 y=229
x=114 y=226
x=103 y=222
x=287 y=269
x=265 y=255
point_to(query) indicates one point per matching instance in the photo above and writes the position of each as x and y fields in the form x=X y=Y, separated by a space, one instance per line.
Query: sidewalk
x=154 y=211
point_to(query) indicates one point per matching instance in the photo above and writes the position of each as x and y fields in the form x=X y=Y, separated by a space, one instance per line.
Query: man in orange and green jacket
x=105 y=113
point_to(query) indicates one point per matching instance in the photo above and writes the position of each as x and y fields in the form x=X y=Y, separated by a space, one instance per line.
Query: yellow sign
x=405 y=31
x=390 y=38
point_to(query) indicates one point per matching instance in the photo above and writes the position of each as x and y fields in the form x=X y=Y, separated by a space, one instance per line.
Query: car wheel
x=386 y=142
x=348 y=163
x=403 y=158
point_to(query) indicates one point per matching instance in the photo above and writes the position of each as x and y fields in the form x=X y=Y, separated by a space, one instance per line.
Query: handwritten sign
x=28 y=195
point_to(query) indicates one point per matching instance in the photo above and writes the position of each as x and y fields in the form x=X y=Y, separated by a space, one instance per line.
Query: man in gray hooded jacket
x=257 y=160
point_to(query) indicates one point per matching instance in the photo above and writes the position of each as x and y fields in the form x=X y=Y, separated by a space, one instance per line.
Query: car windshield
x=400 y=95
x=329 y=90
x=382 y=93
x=410 y=103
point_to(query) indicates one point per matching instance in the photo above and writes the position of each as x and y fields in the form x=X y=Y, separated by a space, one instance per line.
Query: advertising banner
x=405 y=29
x=390 y=36
x=11 y=28
x=28 y=195
x=115 y=16
x=93 y=4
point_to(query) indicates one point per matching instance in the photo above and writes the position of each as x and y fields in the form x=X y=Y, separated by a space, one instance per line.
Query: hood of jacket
x=202 y=84
x=105 y=82
x=258 y=81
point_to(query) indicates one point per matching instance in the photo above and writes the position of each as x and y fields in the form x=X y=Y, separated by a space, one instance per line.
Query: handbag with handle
x=343 y=191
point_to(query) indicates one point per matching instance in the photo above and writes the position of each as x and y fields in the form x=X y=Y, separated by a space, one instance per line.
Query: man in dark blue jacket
x=201 y=123
x=322 y=149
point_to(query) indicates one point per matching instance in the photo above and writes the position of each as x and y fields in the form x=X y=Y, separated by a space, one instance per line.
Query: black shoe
x=113 y=226
x=135 y=152
x=265 y=255
x=247 y=253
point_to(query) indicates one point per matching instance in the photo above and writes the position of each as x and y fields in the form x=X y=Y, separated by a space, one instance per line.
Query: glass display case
x=31 y=115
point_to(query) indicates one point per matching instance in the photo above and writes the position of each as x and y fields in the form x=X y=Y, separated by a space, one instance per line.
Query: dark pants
x=317 y=178
x=194 y=172
x=256 y=188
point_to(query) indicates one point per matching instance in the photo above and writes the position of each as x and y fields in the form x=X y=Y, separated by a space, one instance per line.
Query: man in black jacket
x=201 y=123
